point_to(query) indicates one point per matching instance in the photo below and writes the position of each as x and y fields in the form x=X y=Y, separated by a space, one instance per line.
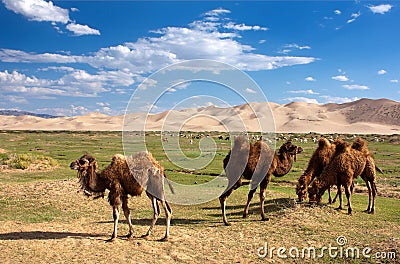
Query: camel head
x=301 y=190
x=88 y=176
x=290 y=149
x=315 y=192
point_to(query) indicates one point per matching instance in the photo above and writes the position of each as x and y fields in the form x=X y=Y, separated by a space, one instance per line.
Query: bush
x=27 y=161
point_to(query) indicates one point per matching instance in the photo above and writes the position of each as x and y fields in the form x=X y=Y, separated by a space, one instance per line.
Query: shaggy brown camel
x=347 y=164
x=318 y=161
x=255 y=162
x=126 y=176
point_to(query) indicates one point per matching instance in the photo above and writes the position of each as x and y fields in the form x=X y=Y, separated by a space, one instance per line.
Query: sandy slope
x=363 y=116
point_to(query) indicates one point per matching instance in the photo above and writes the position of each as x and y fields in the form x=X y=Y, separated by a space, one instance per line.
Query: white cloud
x=337 y=12
x=216 y=12
x=394 y=81
x=174 y=44
x=303 y=92
x=353 y=18
x=41 y=10
x=74 y=9
x=338 y=100
x=287 y=48
x=9 y=55
x=38 y=10
x=80 y=30
x=242 y=27
x=309 y=79
x=380 y=9
x=355 y=87
x=74 y=83
x=302 y=99
x=381 y=72
x=341 y=78
x=261 y=41
x=248 y=90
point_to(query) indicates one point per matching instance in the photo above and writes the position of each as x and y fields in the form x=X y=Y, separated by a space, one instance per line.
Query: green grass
x=65 y=147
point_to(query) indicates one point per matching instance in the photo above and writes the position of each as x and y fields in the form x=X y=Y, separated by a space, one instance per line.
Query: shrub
x=27 y=161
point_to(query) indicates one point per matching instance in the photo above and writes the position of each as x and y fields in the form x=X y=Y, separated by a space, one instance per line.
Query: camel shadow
x=43 y=235
x=160 y=221
x=270 y=206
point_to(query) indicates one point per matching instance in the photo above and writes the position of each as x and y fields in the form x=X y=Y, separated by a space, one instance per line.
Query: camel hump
x=341 y=146
x=118 y=157
x=240 y=143
x=323 y=143
x=360 y=145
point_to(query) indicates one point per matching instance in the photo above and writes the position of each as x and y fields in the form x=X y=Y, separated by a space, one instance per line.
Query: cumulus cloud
x=394 y=81
x=309 y=79
x=38 y=10
x=337 y=12
x=80 y=30
x=338 y=100
x=41 y=10
x=341 y=78
x=355 y=87
x=172 y=45
x=380 y=9
x=381 y=72
x=74 y=83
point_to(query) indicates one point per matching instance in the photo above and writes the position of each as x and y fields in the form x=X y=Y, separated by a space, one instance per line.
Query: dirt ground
x=79 y=231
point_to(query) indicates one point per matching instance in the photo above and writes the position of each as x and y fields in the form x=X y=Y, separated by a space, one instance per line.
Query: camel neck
x=284 y=164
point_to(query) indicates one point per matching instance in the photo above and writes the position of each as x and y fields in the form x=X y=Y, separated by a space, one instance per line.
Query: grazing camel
x=126 y=176
x=318 y=161
x=347 y=164
x=255 y=162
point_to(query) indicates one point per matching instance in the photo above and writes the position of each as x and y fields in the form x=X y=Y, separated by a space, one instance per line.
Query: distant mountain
x=24 y=113
x=365 y=116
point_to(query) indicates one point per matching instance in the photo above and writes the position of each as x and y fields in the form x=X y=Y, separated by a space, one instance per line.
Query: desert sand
x=364 y=116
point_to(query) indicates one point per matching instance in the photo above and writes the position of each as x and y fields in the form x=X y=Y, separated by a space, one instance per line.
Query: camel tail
x=378 y=169
x=169 y=184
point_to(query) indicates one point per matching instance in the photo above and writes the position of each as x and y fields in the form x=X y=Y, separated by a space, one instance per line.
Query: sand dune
x=364 y=116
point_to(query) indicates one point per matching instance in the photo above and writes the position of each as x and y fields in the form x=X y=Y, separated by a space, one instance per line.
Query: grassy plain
x=44 y=219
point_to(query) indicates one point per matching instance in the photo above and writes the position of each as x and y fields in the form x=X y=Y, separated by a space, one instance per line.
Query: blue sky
x=76 y=57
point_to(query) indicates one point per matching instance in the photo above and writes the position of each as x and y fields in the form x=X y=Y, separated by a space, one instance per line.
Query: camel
x=348 y=162
x=318 y=161
x=255 y=162
x=126 y=176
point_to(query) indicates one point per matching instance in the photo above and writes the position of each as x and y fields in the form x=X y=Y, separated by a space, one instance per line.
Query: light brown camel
x=126 y=176
x=347 y=164
x=255 y=162
x=318 y=161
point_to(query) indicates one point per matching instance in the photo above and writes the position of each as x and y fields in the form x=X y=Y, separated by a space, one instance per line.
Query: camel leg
x=348 y=196
x=156 y=213
x=329 y=194
x=168 y=215
x=127 y=214
x=369 y=196
x=222 y=200
x=339 y=193
x=249 y=197
x=263 y=188
x=374 y=191
x=115 y=216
